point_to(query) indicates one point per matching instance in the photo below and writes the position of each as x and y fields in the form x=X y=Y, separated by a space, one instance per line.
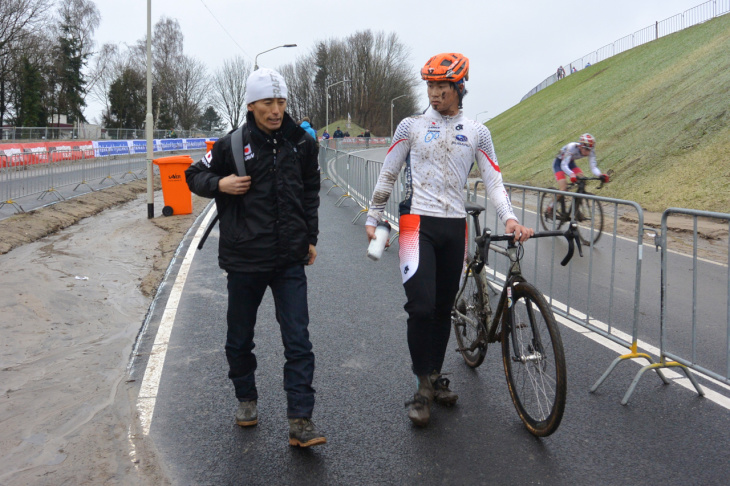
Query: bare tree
x=167 y=52
x=229 y=88
x=191 y=91
x=18 y=18
x=107 y=66
x=377 y=68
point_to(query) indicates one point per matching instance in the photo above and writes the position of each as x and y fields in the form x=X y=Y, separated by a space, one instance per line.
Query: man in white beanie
x=268 y=232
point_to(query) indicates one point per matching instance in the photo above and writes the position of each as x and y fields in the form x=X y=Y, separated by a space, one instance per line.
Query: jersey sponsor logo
x=431 y=135
x=462 y=138
x=459 y=126
x=247 y=152
x=206 y=160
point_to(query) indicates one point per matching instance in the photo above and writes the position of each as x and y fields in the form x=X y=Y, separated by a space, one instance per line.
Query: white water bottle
x=377 y=244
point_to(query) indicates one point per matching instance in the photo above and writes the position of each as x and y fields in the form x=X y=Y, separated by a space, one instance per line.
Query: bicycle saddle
x=473 y=208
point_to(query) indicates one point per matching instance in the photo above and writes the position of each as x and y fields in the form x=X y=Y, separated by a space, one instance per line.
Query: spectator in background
x=338 y=133
x=366 y=134
x=347 y=134
x=561 y=72
x=588 y=64
x=326 y=135
x=574 y=70
x=308 y=127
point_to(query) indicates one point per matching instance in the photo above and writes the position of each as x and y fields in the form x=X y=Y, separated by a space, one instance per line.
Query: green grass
x=660 y=115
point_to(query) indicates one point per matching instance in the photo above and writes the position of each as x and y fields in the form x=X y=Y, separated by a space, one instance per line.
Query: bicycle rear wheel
x=534 y=362
x=468 y=317
x=589 y=215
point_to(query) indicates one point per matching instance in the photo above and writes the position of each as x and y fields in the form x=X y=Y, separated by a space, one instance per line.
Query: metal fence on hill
x=693 y=16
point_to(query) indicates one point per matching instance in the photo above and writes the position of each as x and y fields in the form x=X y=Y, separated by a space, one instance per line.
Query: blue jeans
x=289 y=287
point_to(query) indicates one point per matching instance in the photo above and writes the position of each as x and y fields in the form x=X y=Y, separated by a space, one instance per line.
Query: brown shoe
x=419 y=407
x=247 y=414
x=303 y=433
x=441 y=392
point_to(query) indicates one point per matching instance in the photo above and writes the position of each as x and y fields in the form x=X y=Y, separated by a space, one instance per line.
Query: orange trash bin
x=175 y=192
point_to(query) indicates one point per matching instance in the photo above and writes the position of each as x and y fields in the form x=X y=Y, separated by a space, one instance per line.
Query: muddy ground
x=78 y=278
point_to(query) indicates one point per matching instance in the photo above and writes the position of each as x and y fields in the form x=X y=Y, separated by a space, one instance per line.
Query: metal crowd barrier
x=43 y=174
x=706 y=347
x=587 y=287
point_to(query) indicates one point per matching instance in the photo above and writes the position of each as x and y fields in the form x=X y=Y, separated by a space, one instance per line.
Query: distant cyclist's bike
x=532 y=351
x=586 y=212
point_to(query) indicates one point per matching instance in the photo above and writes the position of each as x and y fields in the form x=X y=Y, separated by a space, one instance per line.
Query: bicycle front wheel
x=589 y=215
x=468 y=317
x=533 y=358
x=549 y=220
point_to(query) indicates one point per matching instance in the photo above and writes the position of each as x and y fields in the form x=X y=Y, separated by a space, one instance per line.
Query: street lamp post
x=327 y=101
x=148 y=117
x=391 y=113
x=256 y=62
x=476 y=118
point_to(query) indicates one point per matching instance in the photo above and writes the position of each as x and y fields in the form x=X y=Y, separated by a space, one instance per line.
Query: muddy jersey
x=571 y=152
x=438 y=152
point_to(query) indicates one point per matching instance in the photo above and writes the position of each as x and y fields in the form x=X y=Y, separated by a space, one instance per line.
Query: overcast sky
x=511 y=45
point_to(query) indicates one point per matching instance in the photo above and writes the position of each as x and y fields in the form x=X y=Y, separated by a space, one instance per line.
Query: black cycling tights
x=432 y=252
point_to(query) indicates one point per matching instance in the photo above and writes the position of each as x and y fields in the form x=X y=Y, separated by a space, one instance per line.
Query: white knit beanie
x=265 y=83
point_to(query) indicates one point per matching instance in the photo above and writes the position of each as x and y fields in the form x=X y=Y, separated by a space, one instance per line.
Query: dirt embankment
x=78 y=278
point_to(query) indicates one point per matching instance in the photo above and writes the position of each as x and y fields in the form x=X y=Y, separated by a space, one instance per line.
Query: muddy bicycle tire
x=533 y=359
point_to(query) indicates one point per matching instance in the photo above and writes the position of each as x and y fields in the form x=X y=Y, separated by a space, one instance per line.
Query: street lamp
x=327 y=102
x=476 y=118
x=255 y=61
x=148 y=118
x=391 y=113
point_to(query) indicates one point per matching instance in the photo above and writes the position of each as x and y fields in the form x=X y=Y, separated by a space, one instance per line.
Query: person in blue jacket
x=308 y=127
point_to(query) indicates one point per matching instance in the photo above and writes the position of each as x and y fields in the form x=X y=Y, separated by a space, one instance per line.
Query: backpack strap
x=237 y=147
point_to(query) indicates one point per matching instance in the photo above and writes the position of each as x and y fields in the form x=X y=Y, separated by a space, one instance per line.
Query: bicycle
x=587 y=213
x=532 y=350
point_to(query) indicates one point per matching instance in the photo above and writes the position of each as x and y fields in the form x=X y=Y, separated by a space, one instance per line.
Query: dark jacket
x=273 y=224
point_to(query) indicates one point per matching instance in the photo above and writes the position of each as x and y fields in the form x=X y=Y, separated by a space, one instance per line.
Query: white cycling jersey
x=439 y=151
x=572 y=152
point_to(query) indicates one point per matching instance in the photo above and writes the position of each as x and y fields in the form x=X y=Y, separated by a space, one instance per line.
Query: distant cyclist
x=564 y=165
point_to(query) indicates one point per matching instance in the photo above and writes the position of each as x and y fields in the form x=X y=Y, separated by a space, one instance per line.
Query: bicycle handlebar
x=571 y=234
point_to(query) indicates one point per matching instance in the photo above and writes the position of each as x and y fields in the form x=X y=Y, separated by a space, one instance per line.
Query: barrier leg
x=634 y=354
x=656 y=367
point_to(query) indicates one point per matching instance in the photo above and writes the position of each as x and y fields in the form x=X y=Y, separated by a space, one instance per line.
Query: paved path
x=665 y=434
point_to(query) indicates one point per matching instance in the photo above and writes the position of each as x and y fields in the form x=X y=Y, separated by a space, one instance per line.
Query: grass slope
x=660 y=115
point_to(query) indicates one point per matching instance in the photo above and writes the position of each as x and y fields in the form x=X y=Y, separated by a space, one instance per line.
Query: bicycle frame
x=480 y=259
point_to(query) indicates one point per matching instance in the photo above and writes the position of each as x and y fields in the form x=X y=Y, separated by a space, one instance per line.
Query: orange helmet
x=586 y=140
x=449 y=66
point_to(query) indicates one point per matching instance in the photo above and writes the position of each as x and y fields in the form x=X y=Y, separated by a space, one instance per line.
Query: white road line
x=151 y=381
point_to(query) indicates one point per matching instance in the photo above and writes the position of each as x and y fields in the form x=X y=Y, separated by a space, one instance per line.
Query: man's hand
x=522 y=233
x=573 y=178
x=370 y=232
x=234 y=185
x=605 y=178
x=312 y=254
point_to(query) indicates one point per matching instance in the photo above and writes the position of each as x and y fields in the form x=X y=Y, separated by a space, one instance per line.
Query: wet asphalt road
x=665 y=434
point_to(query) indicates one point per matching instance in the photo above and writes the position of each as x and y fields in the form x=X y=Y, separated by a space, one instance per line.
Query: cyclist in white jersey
x=438 y=149
x=564 y=165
